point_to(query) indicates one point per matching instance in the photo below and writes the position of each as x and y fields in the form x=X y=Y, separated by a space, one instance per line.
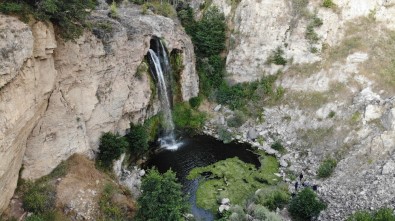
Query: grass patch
x=383 y=214
x=233 y=179
x=327 y=167
x=187 y=118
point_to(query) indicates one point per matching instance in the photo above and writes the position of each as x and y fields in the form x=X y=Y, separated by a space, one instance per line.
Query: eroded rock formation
x=56 y=97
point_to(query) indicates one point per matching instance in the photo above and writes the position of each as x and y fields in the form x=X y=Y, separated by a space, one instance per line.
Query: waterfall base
x=169 y=143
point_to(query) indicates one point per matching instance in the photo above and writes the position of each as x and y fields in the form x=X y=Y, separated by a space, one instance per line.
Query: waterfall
x=160 y=67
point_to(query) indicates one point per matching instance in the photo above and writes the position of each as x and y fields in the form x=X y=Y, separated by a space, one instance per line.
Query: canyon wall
x=57 y=98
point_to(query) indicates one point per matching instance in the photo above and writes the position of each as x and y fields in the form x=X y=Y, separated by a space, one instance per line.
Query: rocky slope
x=56 y=97
x=339 y=93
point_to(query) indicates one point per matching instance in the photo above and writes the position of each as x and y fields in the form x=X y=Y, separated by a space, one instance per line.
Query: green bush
x=113 y=10
x=277 y=57
x=110 y=148
x=273 y=198
x=109 y=210
x=195 y=102
x=209 y=37
x=68 y=15
x=305 y=205
x=262 y=213
x=188 y=119
x=237 y=120
x=39 y=198
x=162 y=8
x=328 y=3
x=383 y=214
x=327 y=167
x=162 y=198
x=224 y=135
x=138 y=139
x=278 y=146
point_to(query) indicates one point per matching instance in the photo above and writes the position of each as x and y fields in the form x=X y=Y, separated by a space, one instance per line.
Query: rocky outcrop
x=259 y=27
x=27 y=76
x=57 y=98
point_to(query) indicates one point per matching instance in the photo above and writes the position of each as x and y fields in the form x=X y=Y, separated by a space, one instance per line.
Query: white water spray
x=168 y=141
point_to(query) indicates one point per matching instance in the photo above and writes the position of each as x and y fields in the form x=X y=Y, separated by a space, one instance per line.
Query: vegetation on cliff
x=68 y=15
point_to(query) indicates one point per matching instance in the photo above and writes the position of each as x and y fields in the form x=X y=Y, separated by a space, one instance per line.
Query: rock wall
x=338 y=100
x=57 y=98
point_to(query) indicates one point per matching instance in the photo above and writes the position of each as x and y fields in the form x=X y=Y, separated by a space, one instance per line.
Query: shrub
x=188 y=119
x=305 y=205
x=161 y=198
x=331 y=114
x=383 y=214
x=327 y=167
x=262 y=213
x=209 y=37
x=68 y=15
x=237 y=120
x=138 y=139
x=328 y=3
x=273 y=198
x=110 y=148
x=39 y=198
x=224 y=135
x=195 y=102
x=113 y=10
x=278 y=146
x=277 y=57
x=109 y=210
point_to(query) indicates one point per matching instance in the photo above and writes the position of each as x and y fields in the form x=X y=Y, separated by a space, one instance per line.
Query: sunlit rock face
x=57 y=98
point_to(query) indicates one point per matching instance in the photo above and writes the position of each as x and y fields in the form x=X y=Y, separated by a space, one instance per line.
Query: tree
x=161 y=198
x=306 y=205
x=210 y=37
x=138 y=139
x=111 y=147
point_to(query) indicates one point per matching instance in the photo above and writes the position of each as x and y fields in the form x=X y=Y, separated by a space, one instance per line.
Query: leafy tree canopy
x=162 y=198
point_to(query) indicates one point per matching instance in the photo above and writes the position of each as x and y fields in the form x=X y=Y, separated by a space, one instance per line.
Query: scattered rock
x=225 y=201
x=217 y=108
x=388 y=168
x=223 y=208
x=252 y=134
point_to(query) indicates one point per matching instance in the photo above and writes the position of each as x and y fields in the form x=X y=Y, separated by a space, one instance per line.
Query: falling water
x=168 y=140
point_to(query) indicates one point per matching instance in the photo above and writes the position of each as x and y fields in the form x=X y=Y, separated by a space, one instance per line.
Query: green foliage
x=188 y=119
x=39 y=197
x=113 y=10
x=152 y=126
x=68 y=15
x=277 y=57
x=195 y=102
x=141 y=70
x=305 y=205
x=278 y=146
x=241 y=95
x=310 y=33
x=273 y=197
x=161 y=198
x=331 y=114
x=224 y=135
x=16 y=8
x=237 y=120
x=327 y=167
x=138 y=139
x=262 y=213
x=383 y=214
x=209 y=37
x=328 y=3
x=161 y=8
x=212 y=70
x=110 y=148
x=110 y=210
x=233 y=179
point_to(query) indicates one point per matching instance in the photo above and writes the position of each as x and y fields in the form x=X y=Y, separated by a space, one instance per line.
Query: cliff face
x=339 y=85
x=56 y=98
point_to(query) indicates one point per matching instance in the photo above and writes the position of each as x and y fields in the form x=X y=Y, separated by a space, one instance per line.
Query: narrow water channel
x=199 y=151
